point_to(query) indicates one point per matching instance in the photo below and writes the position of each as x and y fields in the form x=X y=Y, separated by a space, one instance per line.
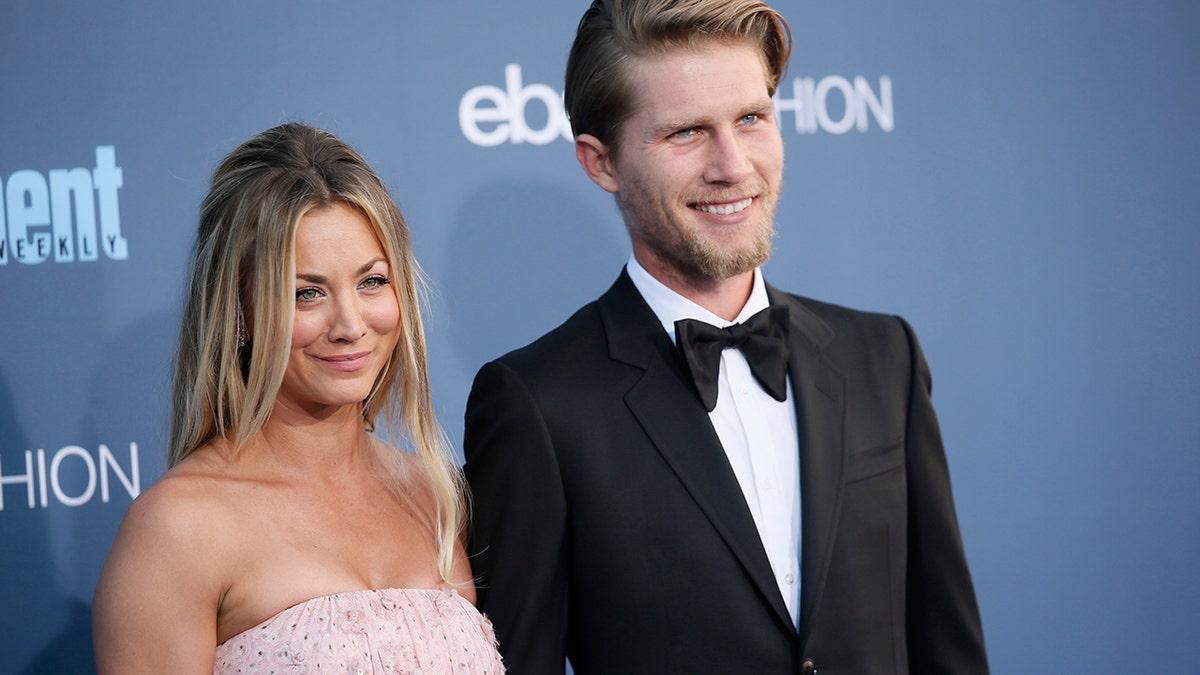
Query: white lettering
x=73 y=451
x=815 y=105
x=74 y=466
x=506 y=109
x=109 y=178
x=65 y=184
x=28 y=207
x=132 y=486
x=41 y=455
x=470 y=115
x=3 y=229
x=520 y=97
x=490 y=116
x=69 y=207
x=824 y=119
x=881 y=106
x=26 y=478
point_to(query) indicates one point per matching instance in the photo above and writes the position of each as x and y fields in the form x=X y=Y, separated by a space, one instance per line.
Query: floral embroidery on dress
x=398 y=631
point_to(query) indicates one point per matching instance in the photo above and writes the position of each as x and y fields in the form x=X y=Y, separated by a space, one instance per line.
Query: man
x=771 y=499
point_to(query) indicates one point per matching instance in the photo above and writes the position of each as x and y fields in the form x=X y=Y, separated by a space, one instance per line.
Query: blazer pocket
x=874 y=461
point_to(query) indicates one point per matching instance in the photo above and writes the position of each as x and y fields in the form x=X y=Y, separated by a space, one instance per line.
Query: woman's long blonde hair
x=237 y=317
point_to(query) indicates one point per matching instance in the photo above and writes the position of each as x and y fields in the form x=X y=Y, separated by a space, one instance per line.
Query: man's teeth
x=725 y=209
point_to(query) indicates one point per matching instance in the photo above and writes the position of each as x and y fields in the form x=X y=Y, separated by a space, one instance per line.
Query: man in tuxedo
x=699 y=473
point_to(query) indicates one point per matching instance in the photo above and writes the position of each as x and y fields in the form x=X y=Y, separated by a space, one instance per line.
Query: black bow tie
x=762 y=339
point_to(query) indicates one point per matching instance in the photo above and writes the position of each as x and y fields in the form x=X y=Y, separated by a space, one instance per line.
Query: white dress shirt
x=758 y=433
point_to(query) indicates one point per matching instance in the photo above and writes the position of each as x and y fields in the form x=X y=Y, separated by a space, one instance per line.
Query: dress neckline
x=449 y=593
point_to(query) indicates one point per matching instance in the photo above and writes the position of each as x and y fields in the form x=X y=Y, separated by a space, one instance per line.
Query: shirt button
x=789 y=579
x=768 y=485
x=744 y=389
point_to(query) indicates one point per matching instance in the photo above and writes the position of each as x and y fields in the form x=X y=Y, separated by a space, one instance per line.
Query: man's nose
x=729 y=162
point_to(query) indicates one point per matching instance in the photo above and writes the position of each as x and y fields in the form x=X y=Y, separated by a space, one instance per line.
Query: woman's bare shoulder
x=162 y=584
x=184 y=526
x=188 y=501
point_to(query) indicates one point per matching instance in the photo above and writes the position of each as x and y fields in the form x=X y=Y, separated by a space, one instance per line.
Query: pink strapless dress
x=394 y=630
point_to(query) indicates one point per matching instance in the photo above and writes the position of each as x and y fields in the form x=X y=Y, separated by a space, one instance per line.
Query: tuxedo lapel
x=668 y=410
x=820 y=417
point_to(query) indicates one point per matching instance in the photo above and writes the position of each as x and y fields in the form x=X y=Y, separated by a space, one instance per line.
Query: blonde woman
x=285 y=534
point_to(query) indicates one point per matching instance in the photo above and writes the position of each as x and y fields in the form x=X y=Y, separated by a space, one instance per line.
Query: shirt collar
x=670 y=306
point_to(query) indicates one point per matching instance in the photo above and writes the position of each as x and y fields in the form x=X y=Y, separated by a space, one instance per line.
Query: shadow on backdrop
x=24 y=557
x=133 y=374
x=524 y=256
x=71 y=650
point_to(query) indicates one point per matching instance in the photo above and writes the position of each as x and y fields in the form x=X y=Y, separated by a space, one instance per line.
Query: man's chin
x=715 y=264
x=716 y=270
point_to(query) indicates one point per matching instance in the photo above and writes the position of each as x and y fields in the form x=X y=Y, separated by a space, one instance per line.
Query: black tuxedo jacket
x=609 y=527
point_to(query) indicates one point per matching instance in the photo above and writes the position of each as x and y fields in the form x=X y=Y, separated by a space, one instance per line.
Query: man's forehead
x=664 y=82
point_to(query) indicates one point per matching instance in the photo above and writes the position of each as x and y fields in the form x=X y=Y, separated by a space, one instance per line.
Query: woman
x=284 y=534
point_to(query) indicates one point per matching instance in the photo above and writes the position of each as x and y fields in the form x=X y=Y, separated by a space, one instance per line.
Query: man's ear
x=596 y=160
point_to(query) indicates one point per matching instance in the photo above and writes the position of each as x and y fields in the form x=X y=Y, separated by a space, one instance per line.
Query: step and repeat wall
x=1018 y=179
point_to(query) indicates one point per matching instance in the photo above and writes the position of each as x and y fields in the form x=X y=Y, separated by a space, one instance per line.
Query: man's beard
x=691 y=251
x=705 y=259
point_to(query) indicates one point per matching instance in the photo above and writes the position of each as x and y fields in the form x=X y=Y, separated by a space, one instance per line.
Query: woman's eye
x=375 y=282
x=307 y=294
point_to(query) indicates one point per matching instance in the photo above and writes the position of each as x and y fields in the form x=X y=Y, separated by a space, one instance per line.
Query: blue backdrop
x=1018 y=179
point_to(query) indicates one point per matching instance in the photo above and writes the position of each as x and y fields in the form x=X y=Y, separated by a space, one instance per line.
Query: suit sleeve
x=518 y=521
x=945 y=634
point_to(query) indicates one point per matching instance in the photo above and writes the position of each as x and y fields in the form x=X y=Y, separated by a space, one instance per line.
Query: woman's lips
x=347 y=362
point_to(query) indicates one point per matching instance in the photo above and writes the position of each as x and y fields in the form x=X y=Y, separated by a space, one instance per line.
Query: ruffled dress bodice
x=394 y=631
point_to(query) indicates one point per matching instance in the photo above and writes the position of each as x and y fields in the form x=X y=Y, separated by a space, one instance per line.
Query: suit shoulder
x=843 y=320
x=840 y=314
x=851 y=335
x=543 y=378
x=581 y=334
